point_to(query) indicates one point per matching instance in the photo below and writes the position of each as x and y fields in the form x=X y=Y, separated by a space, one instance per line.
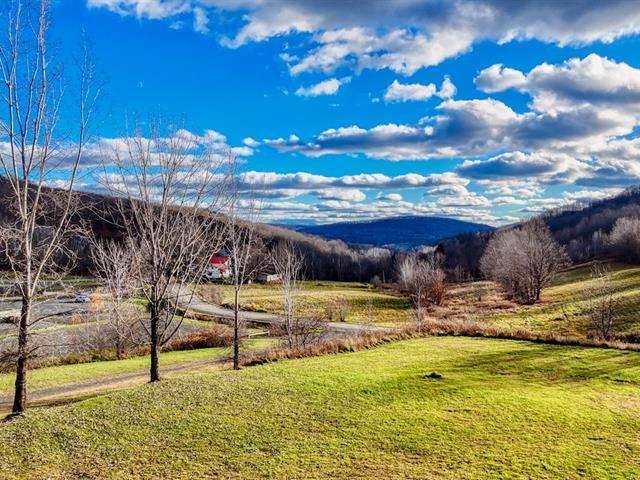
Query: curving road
x=202 y=308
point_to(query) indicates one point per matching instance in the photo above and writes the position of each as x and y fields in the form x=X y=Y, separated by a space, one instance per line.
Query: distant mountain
x=403 y=233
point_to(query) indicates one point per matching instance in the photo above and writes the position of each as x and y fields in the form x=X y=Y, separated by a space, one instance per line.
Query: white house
x=268 y=277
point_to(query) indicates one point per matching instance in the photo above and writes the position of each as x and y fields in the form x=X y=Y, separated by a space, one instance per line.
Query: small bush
x=215 y=336
x=213 y=294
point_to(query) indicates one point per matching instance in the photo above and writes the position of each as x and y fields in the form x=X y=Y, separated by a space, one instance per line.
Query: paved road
x=200 y=307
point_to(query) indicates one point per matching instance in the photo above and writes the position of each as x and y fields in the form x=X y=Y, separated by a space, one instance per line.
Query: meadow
x=501 y=409
x=364 y=303
x=563 y=306
x=561 y=311
x=59 y=375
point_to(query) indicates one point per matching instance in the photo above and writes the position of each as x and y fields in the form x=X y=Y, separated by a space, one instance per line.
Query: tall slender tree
x=244 y=247
x=288 y=263
x=36 y=237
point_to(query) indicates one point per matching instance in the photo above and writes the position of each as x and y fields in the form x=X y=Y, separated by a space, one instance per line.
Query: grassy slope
x=58 y=375
x=562 y=309
x=366 y=305
x=503 y=409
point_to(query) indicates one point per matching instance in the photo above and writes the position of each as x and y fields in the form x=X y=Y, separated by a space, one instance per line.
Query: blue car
x=82 y=299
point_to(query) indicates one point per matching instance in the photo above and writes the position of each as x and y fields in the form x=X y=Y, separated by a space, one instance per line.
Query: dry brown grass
x=472 y=301
x=214 y=336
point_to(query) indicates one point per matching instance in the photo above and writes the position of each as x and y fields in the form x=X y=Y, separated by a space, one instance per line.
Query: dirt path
x=69 y=392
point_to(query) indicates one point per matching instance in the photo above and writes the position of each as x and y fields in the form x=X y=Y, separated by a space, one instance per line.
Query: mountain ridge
x=402 y=233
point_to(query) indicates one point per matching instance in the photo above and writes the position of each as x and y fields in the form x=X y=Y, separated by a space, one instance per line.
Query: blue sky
x=486 y=111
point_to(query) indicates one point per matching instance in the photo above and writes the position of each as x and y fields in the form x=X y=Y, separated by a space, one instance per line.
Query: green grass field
x=365 y=304
x=503 y=409
x=563 y=306
x=61 y=374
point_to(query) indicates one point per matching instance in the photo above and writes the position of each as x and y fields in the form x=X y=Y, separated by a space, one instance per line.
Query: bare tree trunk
x=155 y=360
x=119 y=349
x=20 y=397
x=236 y=332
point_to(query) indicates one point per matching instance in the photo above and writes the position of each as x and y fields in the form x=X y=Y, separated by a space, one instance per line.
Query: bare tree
x=114 y=267
x=625 y=238
x=421 y=274
x=36 y=238
x=244 y=248
x=288 y=262
x=602 y=305
x=167 y=187
x=524 y=260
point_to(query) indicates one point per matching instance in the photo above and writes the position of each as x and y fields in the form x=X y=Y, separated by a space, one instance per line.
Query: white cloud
x=306 y=181
x=250 y=142
x=496 y=78
x=404 y=92
x=466 y=128
x=399 y=92
x=544 y=167
x=200 y=20
x=593 y=80
x=326 y=87
x=344 y=194
x=401 y=36
x=389 y=197
x=447 y=89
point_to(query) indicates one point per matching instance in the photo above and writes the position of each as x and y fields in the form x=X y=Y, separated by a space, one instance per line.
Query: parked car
x=82 y=299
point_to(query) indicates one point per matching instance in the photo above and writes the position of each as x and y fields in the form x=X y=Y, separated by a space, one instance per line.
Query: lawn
x=365 y=304
x=562 y=309
x=58 y=375
x=503 y=409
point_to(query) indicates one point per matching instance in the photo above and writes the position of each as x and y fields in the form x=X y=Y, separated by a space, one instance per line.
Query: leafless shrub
x=479 y=291
x=460 y=274
x=338 y=309
x=213 y=294
x=602 y=306
x=438 y=287
x=421 y=275
x=288 y=263
x=214 y=336
x=114 y=268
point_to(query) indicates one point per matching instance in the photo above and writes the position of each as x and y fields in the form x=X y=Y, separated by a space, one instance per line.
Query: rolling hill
x=501 y=409
x=576 y=227
x=403 y=233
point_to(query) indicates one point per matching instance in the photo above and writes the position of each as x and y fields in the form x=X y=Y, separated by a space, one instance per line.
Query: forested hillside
x=583 y=228
x=324 y=259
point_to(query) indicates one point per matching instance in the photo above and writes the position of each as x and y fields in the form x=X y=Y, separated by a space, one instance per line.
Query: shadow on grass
x=557 y=363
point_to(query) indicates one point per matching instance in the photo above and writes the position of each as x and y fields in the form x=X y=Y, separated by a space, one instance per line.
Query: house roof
x=218 y=260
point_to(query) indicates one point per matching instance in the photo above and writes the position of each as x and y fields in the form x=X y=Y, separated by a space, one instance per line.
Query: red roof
x=218 y=260
x=219 y=263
